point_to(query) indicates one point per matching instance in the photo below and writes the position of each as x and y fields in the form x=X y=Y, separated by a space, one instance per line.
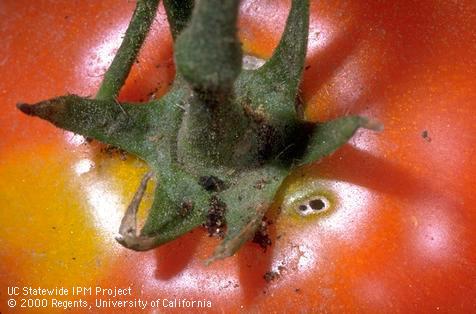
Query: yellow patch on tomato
x=61 y=207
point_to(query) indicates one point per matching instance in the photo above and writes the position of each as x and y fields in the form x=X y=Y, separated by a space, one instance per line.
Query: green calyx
x=222 y=140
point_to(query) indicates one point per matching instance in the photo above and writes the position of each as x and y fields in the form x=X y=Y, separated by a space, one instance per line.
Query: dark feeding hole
x=316 y=204
x=270 y=276
x=426 y=136
x=313 y=206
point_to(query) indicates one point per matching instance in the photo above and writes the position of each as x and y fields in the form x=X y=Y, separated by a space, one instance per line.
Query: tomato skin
x=402 y=231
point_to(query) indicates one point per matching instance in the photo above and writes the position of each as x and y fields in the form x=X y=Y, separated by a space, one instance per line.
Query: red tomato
x=400 y=232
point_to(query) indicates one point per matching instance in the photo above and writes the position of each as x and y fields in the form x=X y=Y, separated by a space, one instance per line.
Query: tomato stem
x=178 y=14
x=120 y=67
x=208 y=52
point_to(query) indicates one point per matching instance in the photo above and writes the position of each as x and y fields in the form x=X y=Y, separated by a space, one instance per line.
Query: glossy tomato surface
x=399 y=234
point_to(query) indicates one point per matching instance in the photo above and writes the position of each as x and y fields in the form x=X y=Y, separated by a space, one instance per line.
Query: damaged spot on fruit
x=317 y=205
x=308 y=199
x=426 y=136
x=270 y=276
x=274 y=274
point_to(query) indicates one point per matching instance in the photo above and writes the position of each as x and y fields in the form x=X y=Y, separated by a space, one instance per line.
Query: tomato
x=400 y=231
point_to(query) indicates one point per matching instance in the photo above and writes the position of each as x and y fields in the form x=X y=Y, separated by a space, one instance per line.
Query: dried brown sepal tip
x=44 y=109
x=128 y=235
x=25 y=108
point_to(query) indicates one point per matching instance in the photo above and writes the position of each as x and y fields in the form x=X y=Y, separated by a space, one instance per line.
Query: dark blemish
x=230 y=284
x=74 y=258
x=316 y=204
x=313 y=206
x=185 y=208
x=212 y=183
x=307 y=67
x=426 y=136
x=227 y=285
x=262 y=235
x=215 y=223
x=297 y=290
x=270 y=276
x=54 y=228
